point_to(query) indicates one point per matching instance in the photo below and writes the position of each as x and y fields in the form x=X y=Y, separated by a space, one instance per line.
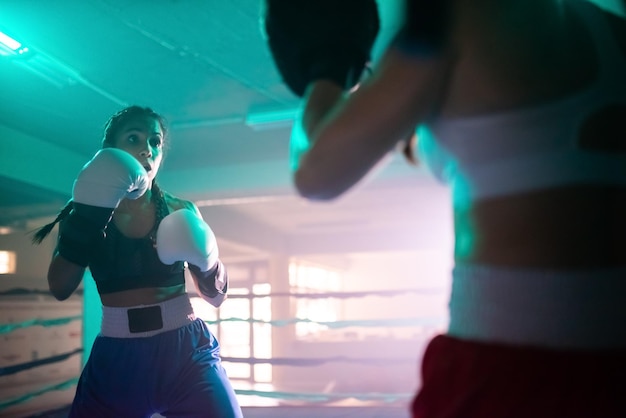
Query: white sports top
x=536 y=147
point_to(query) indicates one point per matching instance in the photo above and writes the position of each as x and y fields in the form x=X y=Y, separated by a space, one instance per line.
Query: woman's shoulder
x=176 y=203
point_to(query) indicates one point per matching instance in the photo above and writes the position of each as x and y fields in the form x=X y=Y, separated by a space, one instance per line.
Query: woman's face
x=142 y=137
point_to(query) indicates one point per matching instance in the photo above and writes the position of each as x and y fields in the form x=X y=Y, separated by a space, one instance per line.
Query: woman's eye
x=132 y=138
x=156 y=142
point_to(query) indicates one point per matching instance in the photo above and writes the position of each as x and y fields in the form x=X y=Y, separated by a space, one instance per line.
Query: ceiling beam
x=37 y=162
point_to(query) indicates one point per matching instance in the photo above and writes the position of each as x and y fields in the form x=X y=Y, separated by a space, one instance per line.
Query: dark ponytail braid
x=43 y=232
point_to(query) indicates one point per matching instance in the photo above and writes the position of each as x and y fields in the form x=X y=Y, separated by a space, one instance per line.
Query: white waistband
x=530 y=173
x=578 y=309
x=165 y=316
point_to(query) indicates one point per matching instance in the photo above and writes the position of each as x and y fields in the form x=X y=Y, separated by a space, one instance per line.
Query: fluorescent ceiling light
x=9 y=46
x=271 y=119
x=48 y=67
x=9 y=42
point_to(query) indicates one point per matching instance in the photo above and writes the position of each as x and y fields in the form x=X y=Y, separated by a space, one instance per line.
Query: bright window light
x=306 y=278
x=7 y=262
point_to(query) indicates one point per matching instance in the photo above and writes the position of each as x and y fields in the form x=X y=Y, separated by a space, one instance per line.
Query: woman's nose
x=145 y=152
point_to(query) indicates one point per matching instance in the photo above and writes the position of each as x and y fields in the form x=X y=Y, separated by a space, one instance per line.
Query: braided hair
x=111 y=129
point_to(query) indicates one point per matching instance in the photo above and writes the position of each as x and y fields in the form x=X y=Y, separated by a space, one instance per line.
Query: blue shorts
x=176 y=373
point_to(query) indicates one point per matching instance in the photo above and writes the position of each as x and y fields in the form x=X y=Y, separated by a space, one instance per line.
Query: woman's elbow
x=60 y=287
x=63 y=278
x=310 y=186
x=60 y=296
x=215 y=301
x=59 y=292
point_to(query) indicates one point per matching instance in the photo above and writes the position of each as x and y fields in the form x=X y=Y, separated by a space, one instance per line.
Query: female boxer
x=152 y=355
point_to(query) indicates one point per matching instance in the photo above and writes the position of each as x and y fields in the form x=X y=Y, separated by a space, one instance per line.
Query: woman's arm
x=346 y=136
x=63 y=277
x=212 y=285
x=184 y=235
x=110 y=176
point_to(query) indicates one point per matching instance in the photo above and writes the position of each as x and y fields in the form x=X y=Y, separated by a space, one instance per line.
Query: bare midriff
x=145 y=296
x=577 y=227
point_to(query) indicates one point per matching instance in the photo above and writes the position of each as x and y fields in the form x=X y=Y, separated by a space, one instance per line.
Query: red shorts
x=479 y=380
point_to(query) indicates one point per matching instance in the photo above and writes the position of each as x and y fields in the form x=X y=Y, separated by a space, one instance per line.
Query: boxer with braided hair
x=519 y=106
x=152 y=354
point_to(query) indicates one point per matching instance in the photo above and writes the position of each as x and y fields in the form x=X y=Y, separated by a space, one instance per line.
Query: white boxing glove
x=184 y=236
x=110 y=176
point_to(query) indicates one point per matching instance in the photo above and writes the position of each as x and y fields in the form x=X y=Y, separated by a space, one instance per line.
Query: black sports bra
x=123 y=263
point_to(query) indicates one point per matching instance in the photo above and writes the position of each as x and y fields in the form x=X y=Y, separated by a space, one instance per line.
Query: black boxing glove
x=81 y=232
x=110 y=176
x=425 y=31
x=320 y=39
x=212 y=283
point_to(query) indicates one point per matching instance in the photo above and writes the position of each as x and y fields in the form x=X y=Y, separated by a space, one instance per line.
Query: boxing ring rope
x=6 y=328
x=251 y=360
x=68 y=384
x=398 y=322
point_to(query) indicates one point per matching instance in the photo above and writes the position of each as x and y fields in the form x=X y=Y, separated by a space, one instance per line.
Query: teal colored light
x=10 y=46
x=465 y=231
x=92 y=314
x=465 y=235
x=9 y=42
x=299 y=143
x=274 y=118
